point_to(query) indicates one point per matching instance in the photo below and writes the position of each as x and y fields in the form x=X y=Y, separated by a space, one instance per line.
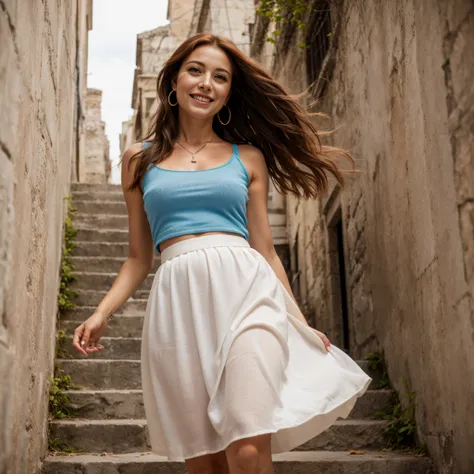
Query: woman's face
x=204 y=82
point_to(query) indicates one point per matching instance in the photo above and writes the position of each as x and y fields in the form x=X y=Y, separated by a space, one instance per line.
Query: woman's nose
x=205 y=83
x=204 y=86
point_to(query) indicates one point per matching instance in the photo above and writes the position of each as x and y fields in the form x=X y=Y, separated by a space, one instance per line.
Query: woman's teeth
x=202 y=99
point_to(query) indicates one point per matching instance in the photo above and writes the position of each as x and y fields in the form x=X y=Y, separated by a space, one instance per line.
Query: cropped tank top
x=181 y=202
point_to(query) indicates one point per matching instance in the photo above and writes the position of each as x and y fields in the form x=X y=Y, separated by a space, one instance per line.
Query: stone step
x=115 y=348
x=99 y=196
x=104 y=264
x=101 y=235
x=294 y=462
x=97 y=280
x=127 y=436
x=129 y=308
x=106 y=374
x=82 y=187
x=101 y=221
x=107 y=404
x=101 y=249
x=128 y=404
x=93 y=298
x=119 y=326
x=100 y=207
x=371 y=402
x=83 y=312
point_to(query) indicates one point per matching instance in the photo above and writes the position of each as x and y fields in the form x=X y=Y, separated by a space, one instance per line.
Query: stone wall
x=229 y=18
x=38 y=137
x=180 y=15
x=97 y=165
x=401 y=91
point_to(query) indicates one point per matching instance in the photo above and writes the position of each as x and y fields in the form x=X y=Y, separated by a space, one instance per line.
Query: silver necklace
x=196 y=152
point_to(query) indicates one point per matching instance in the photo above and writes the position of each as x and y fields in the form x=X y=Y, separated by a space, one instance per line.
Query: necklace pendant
x=193 y=160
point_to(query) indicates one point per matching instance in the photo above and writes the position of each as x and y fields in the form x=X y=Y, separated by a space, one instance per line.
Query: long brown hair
x=263 y=115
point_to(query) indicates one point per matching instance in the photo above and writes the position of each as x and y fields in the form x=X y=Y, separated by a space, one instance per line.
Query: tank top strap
x=236 y=153
x=146 y=145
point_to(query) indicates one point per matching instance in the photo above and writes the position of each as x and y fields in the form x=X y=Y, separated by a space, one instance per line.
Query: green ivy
x=59 y=403
x=282 y=12
x=66 y=294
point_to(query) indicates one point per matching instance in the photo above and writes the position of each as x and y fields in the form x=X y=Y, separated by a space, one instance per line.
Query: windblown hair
x=263 y=115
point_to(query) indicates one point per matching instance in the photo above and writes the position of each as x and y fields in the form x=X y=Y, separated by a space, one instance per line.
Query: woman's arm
x=135 y=269
x=140 y=244
x=260 y=234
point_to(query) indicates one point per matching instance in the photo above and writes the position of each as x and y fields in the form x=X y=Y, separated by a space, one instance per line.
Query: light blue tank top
x=181 y=202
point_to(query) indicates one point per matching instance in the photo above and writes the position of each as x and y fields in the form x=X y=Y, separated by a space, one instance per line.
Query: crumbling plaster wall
x=402 y=91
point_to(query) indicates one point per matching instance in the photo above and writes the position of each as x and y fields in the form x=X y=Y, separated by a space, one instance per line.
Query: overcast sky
x=112 y=47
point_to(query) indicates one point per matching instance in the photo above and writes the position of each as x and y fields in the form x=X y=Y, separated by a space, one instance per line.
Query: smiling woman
x=231 y=371
x=206 y=70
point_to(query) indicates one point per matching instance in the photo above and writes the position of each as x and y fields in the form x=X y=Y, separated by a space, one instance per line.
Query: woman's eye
x=193 y=69
x=220 y=76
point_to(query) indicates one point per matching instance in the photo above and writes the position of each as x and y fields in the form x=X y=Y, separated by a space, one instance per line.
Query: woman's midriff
x=166 y=243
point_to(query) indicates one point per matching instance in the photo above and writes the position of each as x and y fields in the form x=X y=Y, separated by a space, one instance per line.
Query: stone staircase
x=111 y=432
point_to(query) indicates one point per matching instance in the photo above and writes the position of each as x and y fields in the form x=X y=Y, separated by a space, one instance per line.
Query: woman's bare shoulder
x=128 y=166
x=250 y=151
x=253 y=159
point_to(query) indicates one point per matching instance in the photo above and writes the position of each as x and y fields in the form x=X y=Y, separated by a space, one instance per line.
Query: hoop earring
x=228 y=121
x=169 y=100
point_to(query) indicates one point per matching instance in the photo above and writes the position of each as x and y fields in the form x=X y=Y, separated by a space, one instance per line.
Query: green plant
x=60 y=340
x=400 y=432
x=59 y=403
x=377 y=363
x=282 y=12
x=66 y=294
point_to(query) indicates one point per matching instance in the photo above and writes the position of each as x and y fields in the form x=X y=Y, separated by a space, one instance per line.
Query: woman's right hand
x=87 y=335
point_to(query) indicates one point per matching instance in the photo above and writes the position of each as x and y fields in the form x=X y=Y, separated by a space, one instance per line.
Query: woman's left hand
x=324 y=338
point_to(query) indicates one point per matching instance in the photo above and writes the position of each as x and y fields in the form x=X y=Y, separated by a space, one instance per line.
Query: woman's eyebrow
x=203 y=65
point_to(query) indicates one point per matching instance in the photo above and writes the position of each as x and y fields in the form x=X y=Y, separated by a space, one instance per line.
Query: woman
x=231 y=371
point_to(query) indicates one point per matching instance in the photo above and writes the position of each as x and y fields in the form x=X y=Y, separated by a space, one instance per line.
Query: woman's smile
x=201 y=99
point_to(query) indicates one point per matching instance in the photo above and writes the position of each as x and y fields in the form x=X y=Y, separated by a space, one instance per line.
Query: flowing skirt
x=224 y=358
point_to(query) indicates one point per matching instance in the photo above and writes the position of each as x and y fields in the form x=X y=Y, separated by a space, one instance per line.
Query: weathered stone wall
x=229 y=18
x=96 y=158
x=154 y=47
x=180 y=15
x=37 y=148
x=402 y=92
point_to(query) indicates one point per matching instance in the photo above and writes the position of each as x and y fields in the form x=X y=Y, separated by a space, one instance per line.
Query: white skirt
x=224 y=358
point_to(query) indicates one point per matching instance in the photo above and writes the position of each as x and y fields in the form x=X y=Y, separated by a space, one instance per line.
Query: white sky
x=112 y=48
